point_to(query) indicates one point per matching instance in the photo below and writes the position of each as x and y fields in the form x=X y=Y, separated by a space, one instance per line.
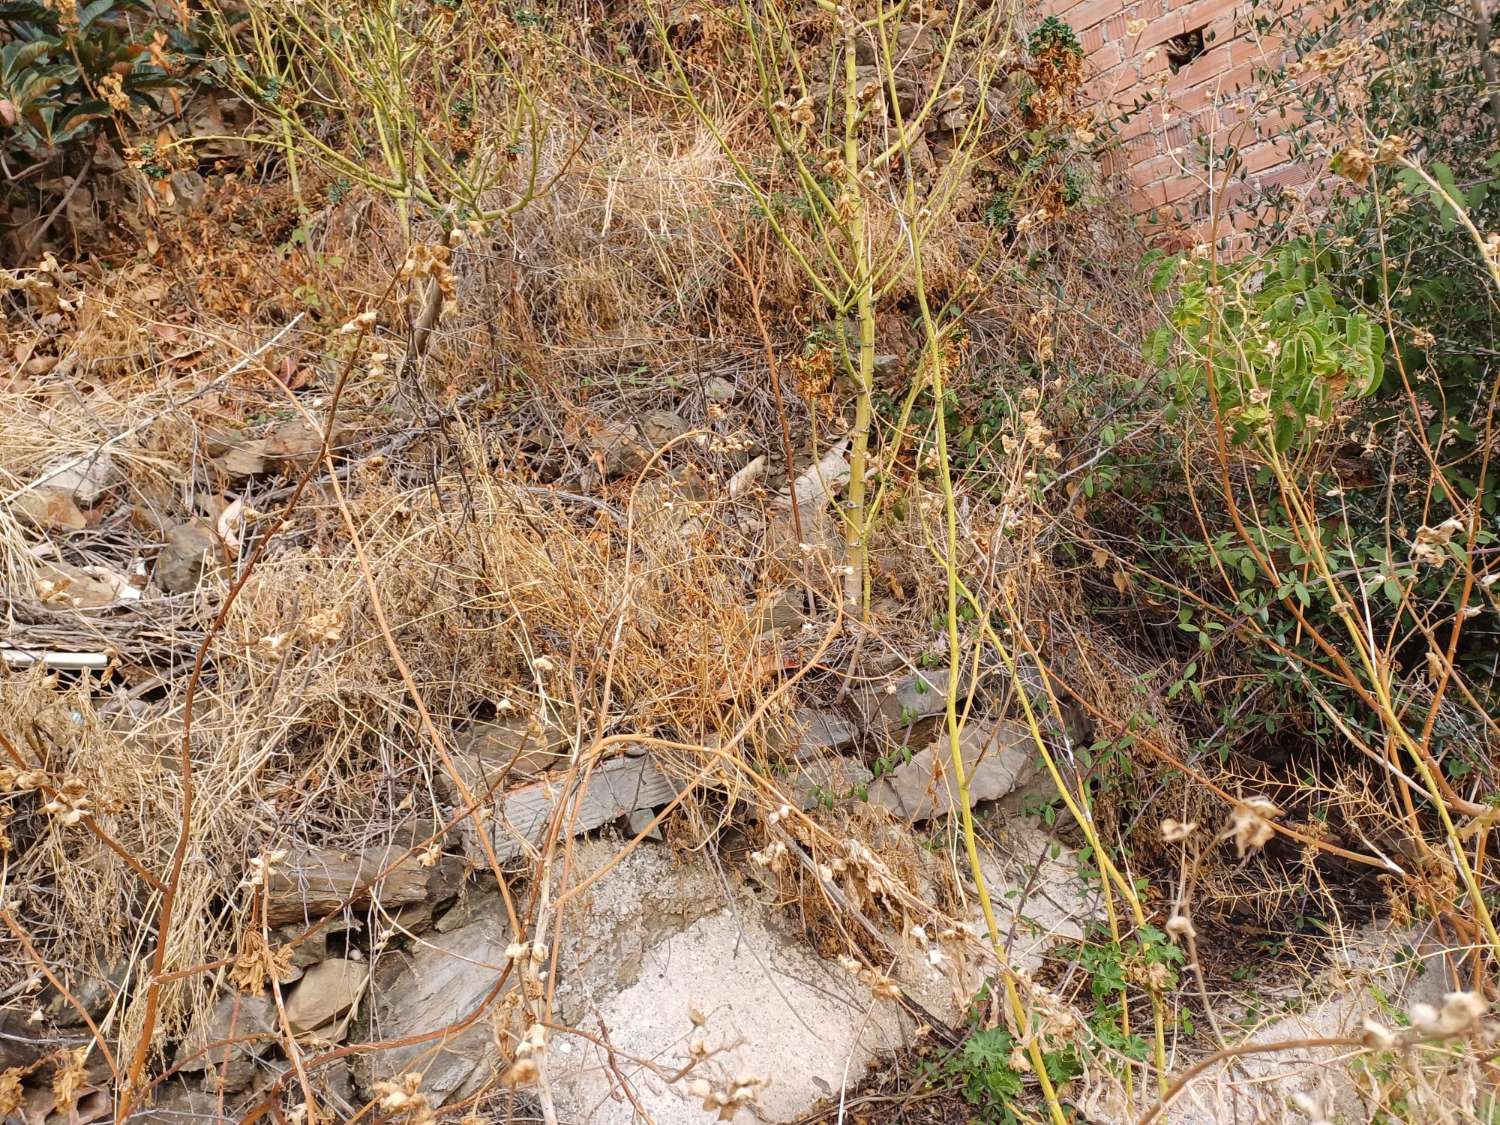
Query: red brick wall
x=1209 y=98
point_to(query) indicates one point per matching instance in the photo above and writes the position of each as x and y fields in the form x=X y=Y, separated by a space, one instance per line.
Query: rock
x=327 y=991
x=1048 y=899
x=661 y=426
x=177 y=1103
x=312 y=882
x=903 y=698
x=49 y=509
x=21 y=1042
x=190 y=191
x=94 y=988
x=512 y=747
x=997 y=757
x=294 y=444
x=822 y=533
x=822 y=730
x=619 y=447
x=85 y=478
x=826 y=781
x=192 y=551
x=811 y=733
x=624 y=447
x=312 y=948
x=615 y=789
x=718 y=390
x=785 y=609
x=441 y=982
x=242 y=459
x=234 y=1016
x=73 y=587
x=819 y=483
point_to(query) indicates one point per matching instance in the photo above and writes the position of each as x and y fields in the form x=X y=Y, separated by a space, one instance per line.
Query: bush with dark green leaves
x=71 y=74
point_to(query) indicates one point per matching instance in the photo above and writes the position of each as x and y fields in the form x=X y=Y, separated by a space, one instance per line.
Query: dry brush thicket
x=637 y=389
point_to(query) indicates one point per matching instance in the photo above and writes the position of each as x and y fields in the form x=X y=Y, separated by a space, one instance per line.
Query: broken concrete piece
x=771 y=1008
x=312 y=882
x=614 y=789
x=326 y=991
x=443 y=981
x=630 y=905
x=192 y=551
x=997 y=757
x=228 y=1036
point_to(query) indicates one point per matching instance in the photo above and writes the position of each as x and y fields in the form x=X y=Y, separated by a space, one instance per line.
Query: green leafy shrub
x=68 y=73
x=1054 y=37
x=1267 y=341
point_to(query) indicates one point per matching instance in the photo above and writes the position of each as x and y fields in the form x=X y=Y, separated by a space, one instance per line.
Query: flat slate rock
x=441 y=982
x=997 y=758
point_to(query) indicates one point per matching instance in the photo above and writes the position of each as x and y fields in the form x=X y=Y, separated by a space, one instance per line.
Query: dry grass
x=512 y=575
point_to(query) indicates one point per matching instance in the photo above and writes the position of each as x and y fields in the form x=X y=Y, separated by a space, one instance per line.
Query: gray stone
x=718 y=390
x=85 y=479
x=821 y=781
x=443 y=981
x=327 y=991
x=903 y=698
x=997 y=758
x=510 y=747
x=624 y=447
x=249 y=1020
x=192 y=550
x=523 y=816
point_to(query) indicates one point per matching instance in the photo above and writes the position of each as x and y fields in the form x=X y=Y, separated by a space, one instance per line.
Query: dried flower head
x=1176 y=831
x=1250 y=824
x=1354 y=164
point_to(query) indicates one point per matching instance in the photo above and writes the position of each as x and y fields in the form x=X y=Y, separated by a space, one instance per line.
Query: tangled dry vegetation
x=358 y=537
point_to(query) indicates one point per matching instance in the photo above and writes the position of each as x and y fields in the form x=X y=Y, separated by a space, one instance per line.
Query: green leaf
x=18 y=56
x=93 y=11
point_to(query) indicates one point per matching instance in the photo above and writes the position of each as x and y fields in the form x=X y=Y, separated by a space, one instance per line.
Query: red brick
x=1264 y=155
x=1106 y=58
x=1085 y=15
x=1139 y=150
x=1286 y=176
x=1223 y=81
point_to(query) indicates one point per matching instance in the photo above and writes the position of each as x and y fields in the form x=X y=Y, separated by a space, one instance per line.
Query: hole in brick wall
x=1183 y=49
